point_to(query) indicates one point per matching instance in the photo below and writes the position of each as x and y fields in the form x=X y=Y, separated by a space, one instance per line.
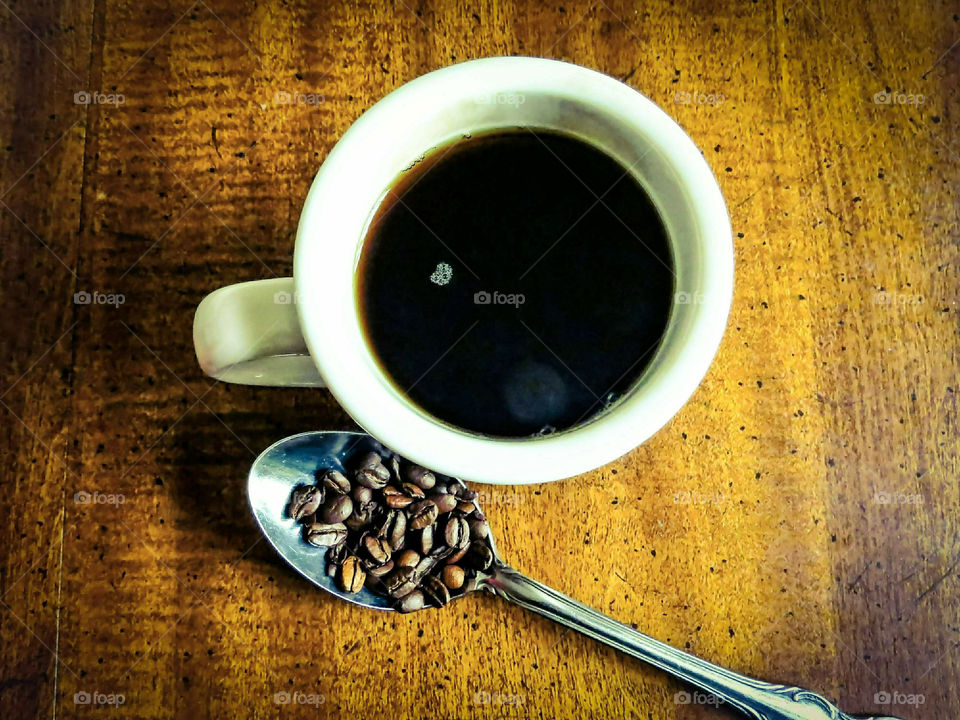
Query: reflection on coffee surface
x=515 y=282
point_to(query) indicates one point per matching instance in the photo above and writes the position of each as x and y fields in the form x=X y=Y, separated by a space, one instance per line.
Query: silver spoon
x=286 y=464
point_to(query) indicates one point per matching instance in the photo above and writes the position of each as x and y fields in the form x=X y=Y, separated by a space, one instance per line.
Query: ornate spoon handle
x=755 y=699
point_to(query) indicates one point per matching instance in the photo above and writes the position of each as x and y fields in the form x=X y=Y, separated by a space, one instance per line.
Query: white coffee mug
x=306 y=331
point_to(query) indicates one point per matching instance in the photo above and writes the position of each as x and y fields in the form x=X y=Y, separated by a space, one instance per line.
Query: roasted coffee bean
x=362 y=516
x=429 y=562
x=304 y=501
x=381 y=570
x=466 y=507
x=386 y=522
x=377 y=549
x=337 y=554
x=411 y=602
x=439 y=489
x=464 y=493
x=456 y=532
x=368 y=459
x=394 y=529
x=479 y=556
x=401 y=581
x=445 y=503
x=361 y=494
x=441 y=552
x=426 y=539
x=479 y=529
x=351 y=577
x=453 y=577
x=368 y=478
x=396 y=498
x=374 y=463
x=413 y=491
x=337 y=509
x=458 y=554
x=335 y=481
x=397 y=541
x=325 y=534
x=422 y=514
x=424 y=566
x=393 y=465
x=407 y=558
x=435 y=591
x=420 y=476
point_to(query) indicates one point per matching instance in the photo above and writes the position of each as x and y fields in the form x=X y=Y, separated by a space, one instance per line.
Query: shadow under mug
x=306 y=330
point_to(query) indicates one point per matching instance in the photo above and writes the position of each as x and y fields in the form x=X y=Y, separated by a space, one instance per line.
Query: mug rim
x=410 y=431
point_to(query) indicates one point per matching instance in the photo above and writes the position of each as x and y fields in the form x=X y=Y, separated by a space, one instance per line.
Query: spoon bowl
x=294 y=461
x=273 y=476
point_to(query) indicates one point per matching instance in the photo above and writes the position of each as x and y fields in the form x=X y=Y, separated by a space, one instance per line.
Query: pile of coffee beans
x=396 y=529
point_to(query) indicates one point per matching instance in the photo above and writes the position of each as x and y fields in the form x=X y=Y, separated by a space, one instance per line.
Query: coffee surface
x=515 y=282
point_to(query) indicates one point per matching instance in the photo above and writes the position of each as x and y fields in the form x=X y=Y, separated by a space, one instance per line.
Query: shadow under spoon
x=285 y=464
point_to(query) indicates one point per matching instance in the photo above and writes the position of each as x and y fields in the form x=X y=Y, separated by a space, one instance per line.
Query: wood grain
x=797 y=520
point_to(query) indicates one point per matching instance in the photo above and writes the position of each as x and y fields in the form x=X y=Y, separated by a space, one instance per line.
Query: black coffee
x=515 y=283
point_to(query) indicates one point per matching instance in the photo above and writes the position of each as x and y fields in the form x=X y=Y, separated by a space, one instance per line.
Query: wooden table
x=796 y=521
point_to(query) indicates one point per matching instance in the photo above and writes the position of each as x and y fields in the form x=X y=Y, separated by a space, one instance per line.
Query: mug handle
x=249 y=334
